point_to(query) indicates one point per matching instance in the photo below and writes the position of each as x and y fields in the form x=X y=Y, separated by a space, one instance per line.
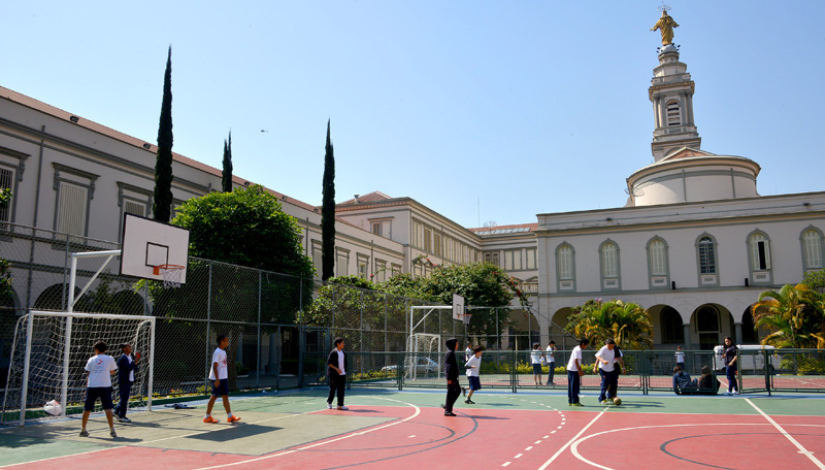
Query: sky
x=484 y=111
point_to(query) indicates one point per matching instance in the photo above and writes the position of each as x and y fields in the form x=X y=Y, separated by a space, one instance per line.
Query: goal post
x=50 y=351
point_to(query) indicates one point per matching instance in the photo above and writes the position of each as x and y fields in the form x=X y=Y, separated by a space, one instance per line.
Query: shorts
x=536 y=369
x=220 y=390
x=105 y=395
x=475 y=383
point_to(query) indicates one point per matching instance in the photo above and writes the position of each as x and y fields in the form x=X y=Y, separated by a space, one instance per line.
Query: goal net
x=423 y=356
x=49 y=355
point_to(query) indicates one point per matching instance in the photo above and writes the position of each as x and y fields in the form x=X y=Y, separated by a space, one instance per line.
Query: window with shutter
x=6 y=179
x=658 y=262
x=565 y=262
x=610 y=262
x=760 y=253
x=812 y=248
x=71 y=210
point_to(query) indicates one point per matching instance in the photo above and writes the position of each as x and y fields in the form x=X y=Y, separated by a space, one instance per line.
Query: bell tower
x=671 y=92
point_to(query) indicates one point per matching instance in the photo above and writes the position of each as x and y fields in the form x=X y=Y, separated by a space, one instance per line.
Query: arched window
x=610 y=260
x=760 y=252
x=707 y=319
x=812 y=249
x=564 y=259
x=674 y=114
x=672 y=330
x=658 y=258
x=707 y=255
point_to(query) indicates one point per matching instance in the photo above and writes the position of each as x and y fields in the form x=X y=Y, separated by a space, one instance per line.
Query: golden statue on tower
x=665 y=25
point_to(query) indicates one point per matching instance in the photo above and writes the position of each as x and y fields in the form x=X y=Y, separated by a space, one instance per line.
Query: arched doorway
x=668 y=326
x=53 y=297
x=557 y=333
x=710 y=323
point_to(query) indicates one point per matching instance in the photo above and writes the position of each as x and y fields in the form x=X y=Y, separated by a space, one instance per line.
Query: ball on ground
x=617 y=401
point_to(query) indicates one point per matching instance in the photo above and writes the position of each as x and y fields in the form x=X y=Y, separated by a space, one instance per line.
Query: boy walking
x=551 y=361
x=473 y=366
x=219 y=375
x=680 y=358
x=451 y=372
x=337 y=374
x=99 y=385
x=126 y=368
x=575 y=372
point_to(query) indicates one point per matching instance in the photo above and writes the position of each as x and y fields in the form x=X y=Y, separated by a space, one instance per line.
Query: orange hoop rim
x=167 y=267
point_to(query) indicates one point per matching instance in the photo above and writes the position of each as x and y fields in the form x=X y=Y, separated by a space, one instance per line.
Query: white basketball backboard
x=458 y=307
x=148 y=243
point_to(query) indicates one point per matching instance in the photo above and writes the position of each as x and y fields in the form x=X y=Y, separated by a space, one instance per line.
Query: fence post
x=29 y=301
x=514 y=372
x=767 y=371
x=258 y=365
x=400 y=371
x=642 y=369
x=302 y=332
x=65 y=282
x=208 y=316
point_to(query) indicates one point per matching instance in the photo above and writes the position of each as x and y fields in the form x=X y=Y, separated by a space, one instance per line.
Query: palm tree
x=793 y=315
x=627 y=323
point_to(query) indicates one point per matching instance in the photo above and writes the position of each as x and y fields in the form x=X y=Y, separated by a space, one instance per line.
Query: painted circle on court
x=738 y=442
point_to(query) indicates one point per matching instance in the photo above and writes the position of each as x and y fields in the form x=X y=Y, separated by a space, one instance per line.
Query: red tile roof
x=375 y=196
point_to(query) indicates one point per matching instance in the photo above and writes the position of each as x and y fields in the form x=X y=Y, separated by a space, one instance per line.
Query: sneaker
x=449 y=413
x=736 y=392
x=576 y=404
x=343 y=408
x=112 y=432
x=728 y=394
x=84 y=433
x=329 y=406
x=605 y=402
x=211 y=420
x=123 y=419
x=469 y=402
x=233 y=419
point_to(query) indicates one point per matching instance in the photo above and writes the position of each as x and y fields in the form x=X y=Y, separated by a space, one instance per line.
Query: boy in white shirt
x=468 y=353
x=473 y=366
x=575 y=372
x=99 y=385
x=219 y=374
x=537 y=359
x=551 y=361
x=680 y=357
x=606 y=360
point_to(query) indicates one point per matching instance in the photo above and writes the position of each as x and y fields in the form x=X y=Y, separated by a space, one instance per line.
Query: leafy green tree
x=794 y=316
x=815 y=280
x=328 y=213
x=163 y=166
x=627 y=323
x=245 y=227
x=226 y=181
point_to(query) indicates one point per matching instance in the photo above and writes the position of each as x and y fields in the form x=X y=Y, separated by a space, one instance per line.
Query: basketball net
x=171 y=275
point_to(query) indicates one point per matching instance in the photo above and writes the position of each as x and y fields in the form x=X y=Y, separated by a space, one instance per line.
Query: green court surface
x=289 y=422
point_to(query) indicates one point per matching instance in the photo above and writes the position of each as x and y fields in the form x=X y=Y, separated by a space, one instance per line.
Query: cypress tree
x=163 y=167
x=328 y=213
x=226 y=182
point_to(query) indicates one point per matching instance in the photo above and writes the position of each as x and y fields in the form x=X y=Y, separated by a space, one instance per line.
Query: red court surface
x=421 y=438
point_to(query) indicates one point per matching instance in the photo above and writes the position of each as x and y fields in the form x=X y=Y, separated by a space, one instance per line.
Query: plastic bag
x=53 y=408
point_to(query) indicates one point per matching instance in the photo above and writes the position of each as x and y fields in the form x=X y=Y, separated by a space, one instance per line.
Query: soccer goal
x=423 y=356
x=49 y=354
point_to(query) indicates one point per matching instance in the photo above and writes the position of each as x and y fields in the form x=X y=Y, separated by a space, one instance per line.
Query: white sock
x=207 y=416
x=229 y=415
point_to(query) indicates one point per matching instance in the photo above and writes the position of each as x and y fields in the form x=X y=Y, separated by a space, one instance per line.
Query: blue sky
x=525 y=106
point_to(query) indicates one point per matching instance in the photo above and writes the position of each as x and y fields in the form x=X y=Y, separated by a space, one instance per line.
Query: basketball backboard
x=148 y=243
x=458 y=307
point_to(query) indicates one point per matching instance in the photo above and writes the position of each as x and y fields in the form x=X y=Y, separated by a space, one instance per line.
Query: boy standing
x=451 y=372
x=551 y=361
x=99 y=385
x=729 y=357
x=126 y=368
x=473 y=366
x=606 y=360
x=219 y=374
x=337 y=374
x=575 y=372
x=468 y=353
x=680 y=358
x=536 y=359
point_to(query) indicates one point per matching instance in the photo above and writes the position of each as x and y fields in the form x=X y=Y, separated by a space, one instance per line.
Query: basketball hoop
x=171 y=274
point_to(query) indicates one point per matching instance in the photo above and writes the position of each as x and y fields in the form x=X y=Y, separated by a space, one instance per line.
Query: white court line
x=802 y=450
x=346 y=436
x=571 y=441
x=575 y=449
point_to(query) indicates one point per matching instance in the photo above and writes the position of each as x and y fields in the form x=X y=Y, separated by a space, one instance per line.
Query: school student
x=680 y=358
x=606 y=359
x=575 y=372
x=468 y=353
x=729 y=358
x=126 y=368
x=219 y=375
x=551 y=361
x=451 y=373
x=337 y=374
x=473 y=366
x=100 y=367
x=537 y=359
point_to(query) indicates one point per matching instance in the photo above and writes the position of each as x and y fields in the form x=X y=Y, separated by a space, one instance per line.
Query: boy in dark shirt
x=451 y=372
